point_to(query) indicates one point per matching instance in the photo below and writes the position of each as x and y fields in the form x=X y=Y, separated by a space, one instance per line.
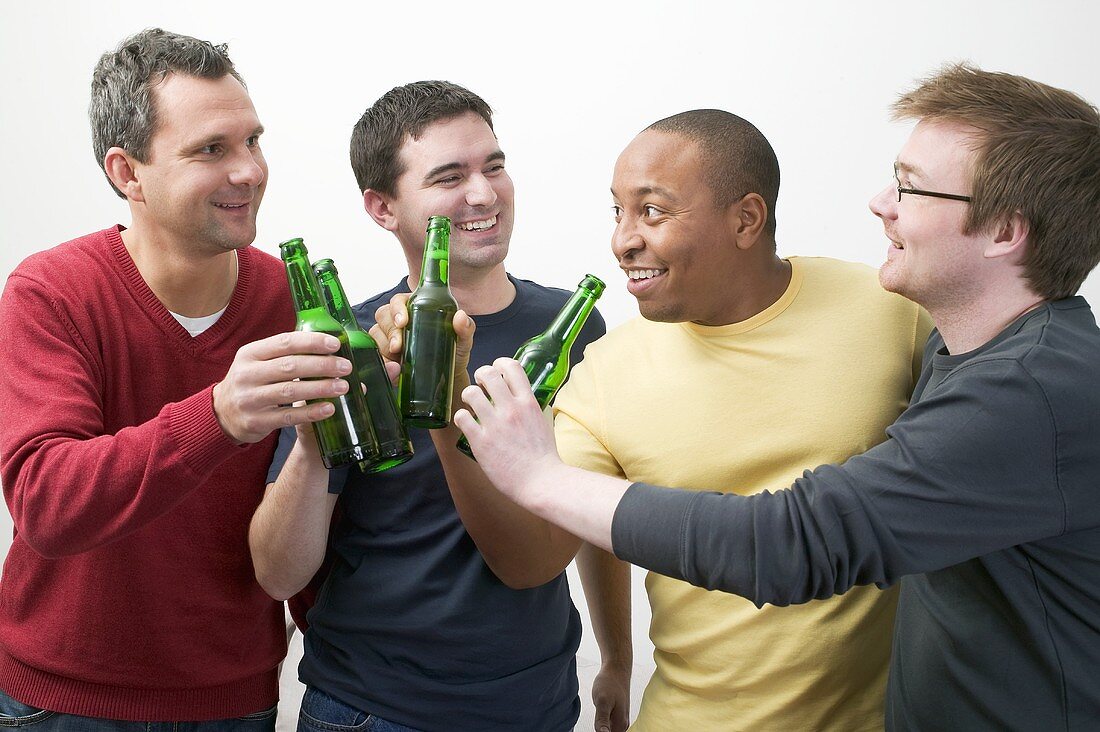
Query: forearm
x=71 y=488
x=522 y=549
x=810 y=542
x=288 y=535
x=581 y=502
x=606 y=583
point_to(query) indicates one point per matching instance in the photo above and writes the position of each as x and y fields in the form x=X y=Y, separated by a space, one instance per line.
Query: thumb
x=464 y=333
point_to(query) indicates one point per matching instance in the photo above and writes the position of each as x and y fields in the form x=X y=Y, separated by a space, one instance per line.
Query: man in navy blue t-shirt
x=437 y=606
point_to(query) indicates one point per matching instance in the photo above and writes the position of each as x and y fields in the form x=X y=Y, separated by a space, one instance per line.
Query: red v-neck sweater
x=128 y=592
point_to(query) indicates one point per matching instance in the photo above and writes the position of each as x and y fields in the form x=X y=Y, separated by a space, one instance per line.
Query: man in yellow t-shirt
x=744 y=369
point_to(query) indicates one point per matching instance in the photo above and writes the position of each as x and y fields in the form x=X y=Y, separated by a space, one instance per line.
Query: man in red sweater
x=144 y=372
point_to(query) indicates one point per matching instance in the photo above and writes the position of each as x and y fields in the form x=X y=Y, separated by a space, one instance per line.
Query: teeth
x=643 y=274
x=230 y=205
x=478 y=225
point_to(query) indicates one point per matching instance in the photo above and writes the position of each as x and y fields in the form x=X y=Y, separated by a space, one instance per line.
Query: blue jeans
x=17 y=714
x=321 y=713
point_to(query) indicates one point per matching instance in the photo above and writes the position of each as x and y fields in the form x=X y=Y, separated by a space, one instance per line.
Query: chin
x=658 y=314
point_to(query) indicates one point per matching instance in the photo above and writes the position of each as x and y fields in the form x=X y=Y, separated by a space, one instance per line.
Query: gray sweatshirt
x=984 y=503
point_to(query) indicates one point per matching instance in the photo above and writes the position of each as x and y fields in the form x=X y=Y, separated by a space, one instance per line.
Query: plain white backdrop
x=571 y=83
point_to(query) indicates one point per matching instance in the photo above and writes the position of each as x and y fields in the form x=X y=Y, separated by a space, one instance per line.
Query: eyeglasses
x=918 y=192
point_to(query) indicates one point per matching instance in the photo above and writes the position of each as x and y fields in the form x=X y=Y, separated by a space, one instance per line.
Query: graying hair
x=122 y=110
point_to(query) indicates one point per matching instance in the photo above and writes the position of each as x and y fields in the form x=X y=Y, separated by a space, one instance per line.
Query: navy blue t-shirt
x=411 y=625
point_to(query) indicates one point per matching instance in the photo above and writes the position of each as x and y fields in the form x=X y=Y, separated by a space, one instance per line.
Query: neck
x=477 y=291
x=757 y=292
x=192 y=286
x=966 y=324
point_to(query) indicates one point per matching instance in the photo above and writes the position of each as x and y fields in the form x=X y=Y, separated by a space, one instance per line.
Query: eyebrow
x=221 y=137
x=649 y=190
x=911 y=169
x=445 y=167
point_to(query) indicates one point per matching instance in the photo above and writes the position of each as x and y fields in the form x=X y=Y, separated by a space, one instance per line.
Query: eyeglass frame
x=933 y=194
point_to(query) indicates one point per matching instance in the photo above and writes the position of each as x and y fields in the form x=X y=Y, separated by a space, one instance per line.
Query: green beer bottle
x=394 y=447
x=545 y=358
x=427 y=367
x=347 y=436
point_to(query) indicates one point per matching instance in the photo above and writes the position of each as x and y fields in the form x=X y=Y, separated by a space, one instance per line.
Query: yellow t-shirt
x=813 y=379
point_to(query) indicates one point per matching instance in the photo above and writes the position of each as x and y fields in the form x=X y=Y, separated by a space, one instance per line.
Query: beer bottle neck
x=435 y=268
x=303 y=285
x=336 y=299
x=569 y=321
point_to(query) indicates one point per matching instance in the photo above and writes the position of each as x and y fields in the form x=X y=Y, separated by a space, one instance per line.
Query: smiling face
x=455 y=169
x=930 y=260
x=201 y=186
x=675 y=246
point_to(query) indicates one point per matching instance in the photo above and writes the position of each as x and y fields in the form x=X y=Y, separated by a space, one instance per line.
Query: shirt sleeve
x=969 y=470
x=579 y=425
x=69 y=486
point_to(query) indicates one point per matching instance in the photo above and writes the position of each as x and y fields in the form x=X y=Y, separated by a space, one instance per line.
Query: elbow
x=276 y=587
x=51 y=541
x=525 y=578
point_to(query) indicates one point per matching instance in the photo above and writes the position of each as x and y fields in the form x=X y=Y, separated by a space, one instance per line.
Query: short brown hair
x=1037 y=153
x=404 y=111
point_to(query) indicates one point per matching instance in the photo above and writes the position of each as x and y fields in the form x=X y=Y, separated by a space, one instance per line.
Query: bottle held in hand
x=347 y=436
x=545 y=358
x=394 y=446
x=427 y=366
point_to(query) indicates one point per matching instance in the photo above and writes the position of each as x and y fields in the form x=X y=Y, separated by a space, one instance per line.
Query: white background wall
x=571 y=83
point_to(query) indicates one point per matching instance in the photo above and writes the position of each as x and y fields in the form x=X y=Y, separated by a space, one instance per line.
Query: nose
x=885 y=203
x=249 y=168
x=626 y=238
x=480 y=192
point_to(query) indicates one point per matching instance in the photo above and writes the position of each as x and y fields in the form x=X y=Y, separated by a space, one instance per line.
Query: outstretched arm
x=969 y=470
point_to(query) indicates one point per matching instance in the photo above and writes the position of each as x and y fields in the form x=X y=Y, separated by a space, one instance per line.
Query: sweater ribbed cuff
x=202 y=442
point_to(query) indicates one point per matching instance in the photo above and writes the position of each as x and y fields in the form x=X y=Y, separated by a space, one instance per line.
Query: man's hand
x=511 y=437
x=268 y=376
x=611 y=697
x=514 y=446
x=388 y=332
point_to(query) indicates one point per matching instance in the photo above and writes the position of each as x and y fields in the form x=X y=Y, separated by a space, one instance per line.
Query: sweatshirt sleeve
x=69 y=486
x=969 y=470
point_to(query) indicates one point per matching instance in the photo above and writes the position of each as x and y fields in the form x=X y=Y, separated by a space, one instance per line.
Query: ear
x=122 y=170
x=378 y=206
x=747 y=219
x=1010 y=239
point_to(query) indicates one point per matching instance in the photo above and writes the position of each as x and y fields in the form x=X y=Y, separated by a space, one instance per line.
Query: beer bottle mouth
x=439 y=222
x=593 y=284
x=292 y=246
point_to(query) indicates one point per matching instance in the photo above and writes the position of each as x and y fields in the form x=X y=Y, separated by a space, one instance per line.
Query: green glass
x=347 y=436
x=427 y=367
x=545 y=358
x=394 y=446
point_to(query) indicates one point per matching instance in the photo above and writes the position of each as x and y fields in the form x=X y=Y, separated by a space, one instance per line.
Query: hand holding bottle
x=389 y=333
x=251 y=400
x=504 y=423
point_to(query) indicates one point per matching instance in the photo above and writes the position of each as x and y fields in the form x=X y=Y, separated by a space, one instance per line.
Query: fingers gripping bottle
x=427 y=367
x=347 y=436
x=394 y=447
x=545 y=358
